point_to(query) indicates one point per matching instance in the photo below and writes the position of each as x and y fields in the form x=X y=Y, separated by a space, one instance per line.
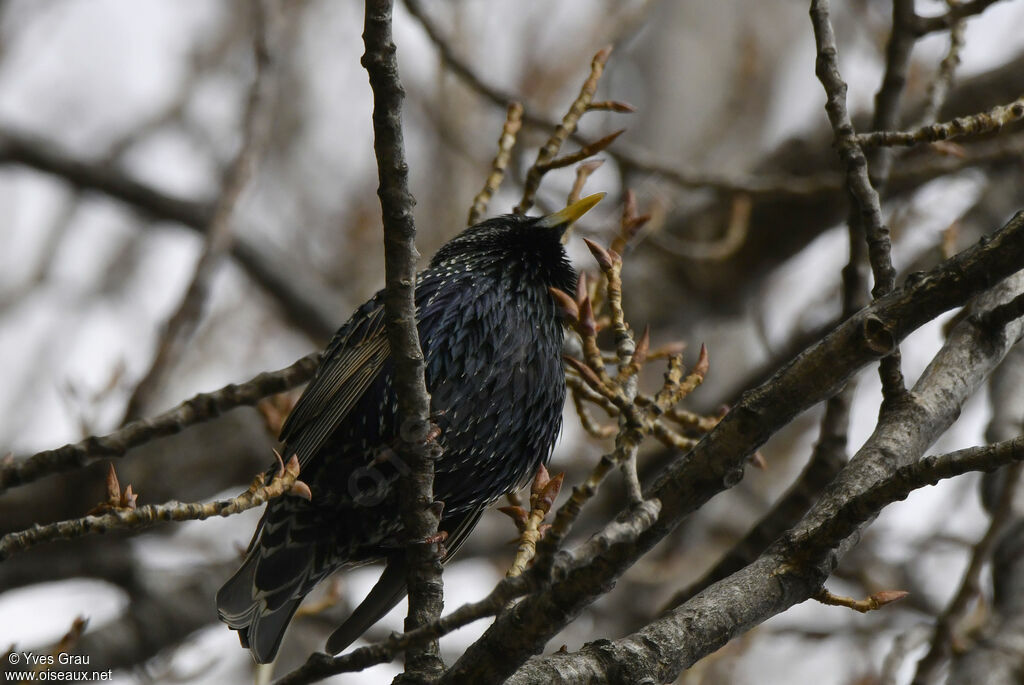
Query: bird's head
x=514 y=242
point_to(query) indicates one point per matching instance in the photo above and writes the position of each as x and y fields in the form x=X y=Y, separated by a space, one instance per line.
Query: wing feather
x=350 y=364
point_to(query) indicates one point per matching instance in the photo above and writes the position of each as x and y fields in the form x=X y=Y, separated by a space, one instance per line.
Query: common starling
x=492 y=340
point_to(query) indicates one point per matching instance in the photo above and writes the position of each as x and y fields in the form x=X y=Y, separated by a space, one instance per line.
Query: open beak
x=571 y=213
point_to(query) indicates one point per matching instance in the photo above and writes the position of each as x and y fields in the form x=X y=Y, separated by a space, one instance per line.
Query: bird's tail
x=260 y=628
x=260 y=599
x=391 y=588
x=386 y=593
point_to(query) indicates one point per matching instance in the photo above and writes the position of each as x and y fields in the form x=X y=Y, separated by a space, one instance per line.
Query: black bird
x=492 y=339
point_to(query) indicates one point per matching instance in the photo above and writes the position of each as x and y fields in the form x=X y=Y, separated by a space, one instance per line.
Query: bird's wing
x=350 y=364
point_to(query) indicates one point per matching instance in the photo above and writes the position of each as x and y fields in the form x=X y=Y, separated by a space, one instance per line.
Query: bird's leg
x=435 y=431
x=437 y=538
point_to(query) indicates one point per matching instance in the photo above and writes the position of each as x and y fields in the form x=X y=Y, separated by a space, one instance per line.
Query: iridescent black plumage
x=492 y=342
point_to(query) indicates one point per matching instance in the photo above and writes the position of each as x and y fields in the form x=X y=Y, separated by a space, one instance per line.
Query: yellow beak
x=571 y=213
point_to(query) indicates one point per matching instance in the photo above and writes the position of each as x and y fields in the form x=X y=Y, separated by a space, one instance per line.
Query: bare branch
x=417 y=437
x=202 y=407
x=1006 y=396
x=970 y=585
x=717 y=462
x=256 y=130
x=974 y=124
x=938 y=89
x=35 y=153
x=320 y=666
x=794 y=568
x=850 y=152
x=141 y=517
x=872 y=603
x=565 y=128
x=513 y=122
x=956 y=13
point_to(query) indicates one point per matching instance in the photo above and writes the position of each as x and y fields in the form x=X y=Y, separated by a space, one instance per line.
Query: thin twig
x=938 y=89
x=589 y=423
x=826 y=460
x=970 y=585
x=507 y=140
x=717 y=461
x=581 y=494
x=258 y=493
x=871 y=603
x=320 y=665
x=865 y=504
x=775 y=185
x=956 y=13
x=857 y=178
x=565 y=128
x=632 y=653
x=879 y=166
x=202 y=407
x=256 y=130
x=589 y=380
x=542 y=496
x=588 y=150
x=974 y=124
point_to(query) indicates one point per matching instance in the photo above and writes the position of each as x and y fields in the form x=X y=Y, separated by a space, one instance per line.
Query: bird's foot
x=437 y=538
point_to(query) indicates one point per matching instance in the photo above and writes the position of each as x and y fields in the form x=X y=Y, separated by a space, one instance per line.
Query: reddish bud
x=758 y=461
x=565 y=303
x=702 y=362
x=128 y=498
x=586 y=373
x=888 y=597
x=581 y=288
x=113 y=486
x=604 y=259
x=587 y=324
x=549 y=494
x=540 y=480
x=642 y=346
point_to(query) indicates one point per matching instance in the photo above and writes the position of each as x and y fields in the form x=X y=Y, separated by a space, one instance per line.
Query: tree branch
x=956 y=13
x=41 y=155
x=257 y=494
x=794 y=568
x=845 y=141
x=202 y=407
x=320 y=666
x=971 y=125
x=717 y=462
x=1006 y=398
x=417 y=444
x=827 y=458
x=256 y=130
x=661 y=650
